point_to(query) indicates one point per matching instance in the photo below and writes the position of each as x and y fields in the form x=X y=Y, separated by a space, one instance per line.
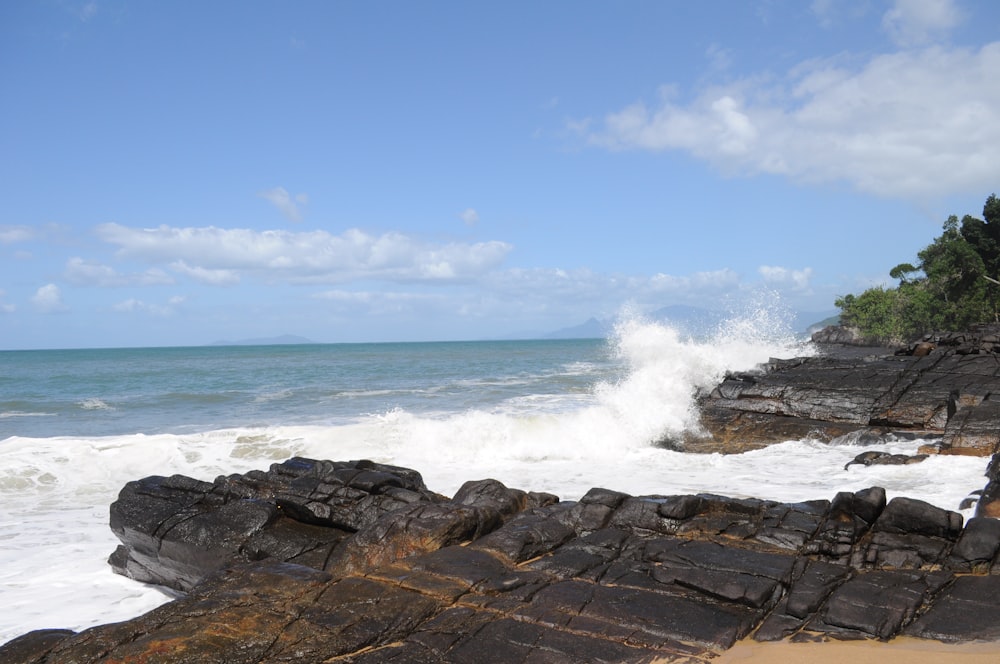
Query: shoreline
x=901 y=650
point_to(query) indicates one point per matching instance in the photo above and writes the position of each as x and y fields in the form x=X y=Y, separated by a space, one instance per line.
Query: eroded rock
x=499 y=575
x=942 y=388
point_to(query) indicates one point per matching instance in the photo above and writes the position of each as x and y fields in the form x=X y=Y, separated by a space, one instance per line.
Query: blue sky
x=177 y=173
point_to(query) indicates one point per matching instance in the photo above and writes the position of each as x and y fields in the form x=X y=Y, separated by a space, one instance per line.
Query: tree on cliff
x=955 y=284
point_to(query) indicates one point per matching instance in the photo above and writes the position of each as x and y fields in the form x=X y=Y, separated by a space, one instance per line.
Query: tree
x=959 y=284
x=902 y=271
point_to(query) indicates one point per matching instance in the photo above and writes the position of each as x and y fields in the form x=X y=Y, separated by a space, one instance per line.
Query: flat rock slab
x=947 y=389
x=500 y=575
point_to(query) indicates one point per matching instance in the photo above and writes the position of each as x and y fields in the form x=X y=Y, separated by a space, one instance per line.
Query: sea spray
x=665 y=370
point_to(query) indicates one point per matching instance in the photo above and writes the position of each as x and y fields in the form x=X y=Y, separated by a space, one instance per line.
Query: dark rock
x=33 y=646
x=966 y=611
x=910 y=534
x=877 y=604
x=839 y=334
x=417 y=529
x=497 y=575
x=177 y=530
x=875 y=458
x=849 y=518
x=978 y=547
x=942 y=392
x=491 y=493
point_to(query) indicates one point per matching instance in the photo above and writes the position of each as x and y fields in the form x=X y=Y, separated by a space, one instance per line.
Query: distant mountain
x=689 y=320
x=283 y=340
x=592 y=329
x=831 y=318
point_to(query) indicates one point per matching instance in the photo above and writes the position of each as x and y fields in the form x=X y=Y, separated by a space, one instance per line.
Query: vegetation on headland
x=956 y=283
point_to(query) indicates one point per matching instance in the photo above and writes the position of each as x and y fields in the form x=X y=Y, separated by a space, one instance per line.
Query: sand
x=897 y=651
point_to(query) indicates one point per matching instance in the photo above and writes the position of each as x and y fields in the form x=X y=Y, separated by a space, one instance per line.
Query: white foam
x=93 y=403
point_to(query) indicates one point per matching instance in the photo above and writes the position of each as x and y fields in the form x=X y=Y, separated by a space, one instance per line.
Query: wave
x=19 y=413
x=93 y=403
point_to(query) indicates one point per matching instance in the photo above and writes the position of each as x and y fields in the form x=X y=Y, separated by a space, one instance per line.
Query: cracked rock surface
x=320 y=561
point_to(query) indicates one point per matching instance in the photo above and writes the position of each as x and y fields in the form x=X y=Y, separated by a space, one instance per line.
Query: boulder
x=177 y=530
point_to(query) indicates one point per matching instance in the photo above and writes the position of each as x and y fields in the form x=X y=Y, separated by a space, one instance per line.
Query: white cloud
x=378 y=303
x=719 y=58
x=547 y=298
x=86 y=11
x=700 y=282
x=205 y=275
x=12 y=234
x=315 y=256
x=48 y=299
x=133 y=305
x=782 y=276
x=4 y=307
x=87 y=273
x=916 y=22
x=281 y=199
x=915 y=123
x=470 y=217
x=824 y=11
x=542 y=289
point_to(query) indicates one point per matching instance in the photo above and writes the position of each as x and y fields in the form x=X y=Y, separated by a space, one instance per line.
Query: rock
x=967 y=610
x=944 y=391
x=498 y=575
x=876 y=458
x=977 y=547
x=878 y=604
x=839 y=334
x=176 y=530
x=33 y=646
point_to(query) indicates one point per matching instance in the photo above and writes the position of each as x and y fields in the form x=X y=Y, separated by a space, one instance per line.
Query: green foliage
x=902 y=272
x=958 y=286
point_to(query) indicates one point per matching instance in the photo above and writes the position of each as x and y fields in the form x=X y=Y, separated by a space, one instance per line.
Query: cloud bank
x=914 y=123
x=219 y=256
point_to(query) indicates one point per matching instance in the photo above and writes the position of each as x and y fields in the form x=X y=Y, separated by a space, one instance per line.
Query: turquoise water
x=153 y=390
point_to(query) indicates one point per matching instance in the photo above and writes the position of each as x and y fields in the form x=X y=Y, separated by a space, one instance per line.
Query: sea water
x=560 y=416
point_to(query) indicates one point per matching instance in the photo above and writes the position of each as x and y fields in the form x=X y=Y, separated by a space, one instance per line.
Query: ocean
x=560 y=416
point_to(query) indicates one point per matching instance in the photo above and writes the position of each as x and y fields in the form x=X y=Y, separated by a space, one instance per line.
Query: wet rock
x=498 y=575
x=989 y=500
x=875 y=458
x=877 y=604
x=848 y=520
x=967 y=610
x=33 y=646
x=978 y=548
x=939 y=387
x=177 y=530
x=909 y=534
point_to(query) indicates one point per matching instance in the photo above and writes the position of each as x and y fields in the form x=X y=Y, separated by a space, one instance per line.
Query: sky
x=175 y=173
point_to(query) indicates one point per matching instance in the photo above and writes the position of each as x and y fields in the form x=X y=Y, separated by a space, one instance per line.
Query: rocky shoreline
x=318 y=561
